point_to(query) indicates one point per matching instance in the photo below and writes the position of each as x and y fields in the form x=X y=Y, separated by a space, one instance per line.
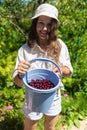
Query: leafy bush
x=73 y=20
x=73 y=112
x=14 y=24
x=13 y=120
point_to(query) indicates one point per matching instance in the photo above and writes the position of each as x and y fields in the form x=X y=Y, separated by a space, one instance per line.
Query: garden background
x=14 y=24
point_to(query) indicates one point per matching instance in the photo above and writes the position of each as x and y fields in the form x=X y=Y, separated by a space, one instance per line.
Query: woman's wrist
x=65 y=71
x=19 y=76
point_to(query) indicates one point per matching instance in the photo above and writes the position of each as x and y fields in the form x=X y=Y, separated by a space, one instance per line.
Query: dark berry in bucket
x=41 y=84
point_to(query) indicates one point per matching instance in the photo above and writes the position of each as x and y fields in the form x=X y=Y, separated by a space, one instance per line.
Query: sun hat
x=46 y=10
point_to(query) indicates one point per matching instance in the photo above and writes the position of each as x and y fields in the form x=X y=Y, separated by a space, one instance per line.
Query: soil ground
x=83 y=126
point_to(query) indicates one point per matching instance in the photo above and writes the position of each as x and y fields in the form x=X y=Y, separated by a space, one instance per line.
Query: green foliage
x=10 y=97
x=13 y=120
x=14 y=24
x=74 y=109
x=73 y=21
x=10 y=40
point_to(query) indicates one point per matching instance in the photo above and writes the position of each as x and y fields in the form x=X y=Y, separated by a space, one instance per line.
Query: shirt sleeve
x=19 y=58
x=65 y=57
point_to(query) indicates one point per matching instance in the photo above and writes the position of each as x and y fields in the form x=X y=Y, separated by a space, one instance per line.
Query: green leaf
x=77 y=123
x=81 y=117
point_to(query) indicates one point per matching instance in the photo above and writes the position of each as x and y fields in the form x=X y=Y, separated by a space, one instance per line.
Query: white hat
x=46 y=10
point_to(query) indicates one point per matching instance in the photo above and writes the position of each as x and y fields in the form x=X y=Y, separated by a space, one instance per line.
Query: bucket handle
x=47 y=60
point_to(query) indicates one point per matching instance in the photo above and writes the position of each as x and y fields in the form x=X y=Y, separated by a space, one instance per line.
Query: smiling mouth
x=44 y=34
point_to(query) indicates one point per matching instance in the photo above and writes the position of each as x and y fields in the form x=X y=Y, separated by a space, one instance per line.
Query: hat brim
x=44 y=14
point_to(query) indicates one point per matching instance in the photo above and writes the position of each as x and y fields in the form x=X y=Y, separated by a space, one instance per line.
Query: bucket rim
x=40 y=90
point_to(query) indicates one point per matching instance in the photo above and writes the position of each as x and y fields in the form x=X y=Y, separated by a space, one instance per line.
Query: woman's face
x=43 y=27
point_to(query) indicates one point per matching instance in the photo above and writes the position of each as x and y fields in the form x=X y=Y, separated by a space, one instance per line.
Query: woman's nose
x=45 y=28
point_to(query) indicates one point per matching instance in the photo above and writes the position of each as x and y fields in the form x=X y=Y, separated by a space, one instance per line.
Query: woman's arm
x=18 y=81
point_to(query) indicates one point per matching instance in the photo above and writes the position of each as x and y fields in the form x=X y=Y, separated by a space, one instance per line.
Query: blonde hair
x=53 y=51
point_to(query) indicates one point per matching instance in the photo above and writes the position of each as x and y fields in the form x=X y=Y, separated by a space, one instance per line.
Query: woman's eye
x=49 y=25
x=40 y=24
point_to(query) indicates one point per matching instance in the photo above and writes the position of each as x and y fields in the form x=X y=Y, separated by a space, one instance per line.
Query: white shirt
x=26 y=53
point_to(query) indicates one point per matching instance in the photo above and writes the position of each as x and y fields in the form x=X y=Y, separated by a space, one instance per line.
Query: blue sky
x=1 y=0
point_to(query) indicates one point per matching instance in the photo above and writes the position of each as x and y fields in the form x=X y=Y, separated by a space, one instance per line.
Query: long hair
x=53 y=47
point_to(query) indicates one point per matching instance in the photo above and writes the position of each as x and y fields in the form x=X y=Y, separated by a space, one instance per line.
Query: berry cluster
x=41 y=84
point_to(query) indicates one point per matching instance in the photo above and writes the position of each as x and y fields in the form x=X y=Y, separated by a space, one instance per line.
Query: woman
x=43 y=42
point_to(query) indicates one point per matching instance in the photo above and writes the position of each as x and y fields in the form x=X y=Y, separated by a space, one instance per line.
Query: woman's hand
x=56 y=71
x=23 y=66
x=64 y=70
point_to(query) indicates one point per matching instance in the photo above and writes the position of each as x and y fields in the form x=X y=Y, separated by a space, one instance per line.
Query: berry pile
x=41 y=84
